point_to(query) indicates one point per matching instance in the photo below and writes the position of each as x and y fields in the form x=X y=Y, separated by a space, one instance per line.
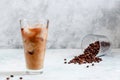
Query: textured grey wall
x=70 y=20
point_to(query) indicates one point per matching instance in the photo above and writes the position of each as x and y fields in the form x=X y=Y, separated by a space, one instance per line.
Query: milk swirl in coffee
x=34 y=39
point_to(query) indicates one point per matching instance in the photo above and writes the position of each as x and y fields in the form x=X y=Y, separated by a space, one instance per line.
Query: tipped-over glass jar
x=104 y=43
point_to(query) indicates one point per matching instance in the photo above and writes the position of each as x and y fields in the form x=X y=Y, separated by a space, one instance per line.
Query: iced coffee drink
x=34 y=40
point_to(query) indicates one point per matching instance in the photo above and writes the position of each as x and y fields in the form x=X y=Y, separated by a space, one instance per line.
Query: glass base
x=34 y=72
x=27 y=72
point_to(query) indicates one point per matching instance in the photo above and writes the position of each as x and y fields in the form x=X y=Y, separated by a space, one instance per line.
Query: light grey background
x=70 y=20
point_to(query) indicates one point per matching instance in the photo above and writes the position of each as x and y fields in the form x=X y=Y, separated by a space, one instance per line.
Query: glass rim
x=33 y=19
x=30 y=19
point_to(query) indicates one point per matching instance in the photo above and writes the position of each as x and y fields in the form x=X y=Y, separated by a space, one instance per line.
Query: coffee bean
x=87 y=66
x=65 y=59
x=69 y=62
x=92 y=64
x=11 y=75
x=65 y=62
x=7 y=78
x=20 y=78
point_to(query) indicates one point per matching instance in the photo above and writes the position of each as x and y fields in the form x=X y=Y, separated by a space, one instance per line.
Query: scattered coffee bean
x=11 y=75
x=92 y=64
x=68 y=62
x=20 y=78
x=65 y=62
x=65 y=59
x=87 y=66
x=7 y=78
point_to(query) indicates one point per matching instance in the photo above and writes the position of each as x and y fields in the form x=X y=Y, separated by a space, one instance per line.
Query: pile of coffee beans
x=12 y=76
x=89 y=55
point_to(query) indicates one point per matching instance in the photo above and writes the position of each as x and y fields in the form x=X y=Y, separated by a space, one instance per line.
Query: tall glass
x=34 y=35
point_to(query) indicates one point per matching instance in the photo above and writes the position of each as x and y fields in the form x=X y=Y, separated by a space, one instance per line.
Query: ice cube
x=27 y=30
x=38 y=25
x=29 y=45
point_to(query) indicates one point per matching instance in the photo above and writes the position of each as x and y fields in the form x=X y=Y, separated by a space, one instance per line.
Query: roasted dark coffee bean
x=65 y=59
x=69 y=62
x=11 y=75
x=7 y=78
x=20 y=78
x=87 y=66
x=65 y=62
x=92 y=64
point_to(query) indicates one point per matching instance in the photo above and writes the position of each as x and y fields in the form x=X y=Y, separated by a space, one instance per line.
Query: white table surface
x=55 y=69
